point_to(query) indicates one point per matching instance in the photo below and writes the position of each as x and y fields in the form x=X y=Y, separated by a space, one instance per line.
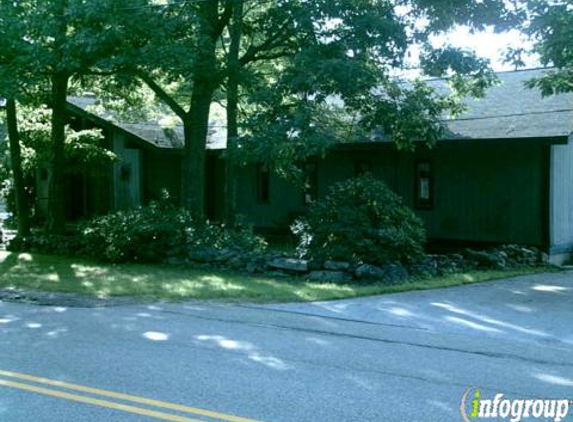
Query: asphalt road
x=403 y=357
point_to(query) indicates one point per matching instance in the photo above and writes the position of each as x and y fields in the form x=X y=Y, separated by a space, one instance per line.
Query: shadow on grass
x=71 y=275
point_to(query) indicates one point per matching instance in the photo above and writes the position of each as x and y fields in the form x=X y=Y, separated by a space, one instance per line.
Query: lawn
x=71 y=275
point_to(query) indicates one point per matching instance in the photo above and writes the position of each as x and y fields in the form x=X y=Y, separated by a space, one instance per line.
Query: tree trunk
x=56 y=199
x=22 y=206
x=232 y=112
x=196 y=124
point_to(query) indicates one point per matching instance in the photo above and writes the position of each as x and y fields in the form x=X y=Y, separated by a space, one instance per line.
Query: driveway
x=536 y=308
x=402 y=357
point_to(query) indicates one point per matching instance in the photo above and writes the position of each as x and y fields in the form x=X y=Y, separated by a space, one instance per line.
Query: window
x=362 y=167
x=310 y=183
x=263 y=184
x=424 y=185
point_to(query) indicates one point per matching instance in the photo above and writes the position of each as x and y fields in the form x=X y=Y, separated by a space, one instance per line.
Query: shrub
x=145 y=234
x=361 y=220
x=68 y=245
x=159 y=231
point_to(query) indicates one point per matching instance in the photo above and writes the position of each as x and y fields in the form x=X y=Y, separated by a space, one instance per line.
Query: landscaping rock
x=427 y=267
x=391 y=273
x=369 y=272
x=224 y=255
x=206 y=255
x=236 y=262
x=395 y=273
x=487 y=260
x=210 y=255
x=255 y=268
x=289 y=264
x=520 y=255
x=315 y=265
x=174 y=261
x=336 y=266
x=330 y=276
x=447 y=264
x=277 y=274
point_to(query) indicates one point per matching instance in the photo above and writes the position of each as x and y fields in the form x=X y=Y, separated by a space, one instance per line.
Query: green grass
x=70 y=275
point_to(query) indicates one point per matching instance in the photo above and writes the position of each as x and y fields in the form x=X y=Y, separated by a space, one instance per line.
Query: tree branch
x=268 y=56
x=223 y=21
x=270 y=43
x=163 y=95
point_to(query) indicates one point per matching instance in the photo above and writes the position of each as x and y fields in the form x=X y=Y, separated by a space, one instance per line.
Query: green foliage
x=62 y=245
x=159 y=231
x=332 y=77
x=83 y=151
x=548 y=25
x=146 y=234
x=361 y=220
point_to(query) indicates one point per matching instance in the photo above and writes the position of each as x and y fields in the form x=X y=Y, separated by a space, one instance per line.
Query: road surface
x=402 y=357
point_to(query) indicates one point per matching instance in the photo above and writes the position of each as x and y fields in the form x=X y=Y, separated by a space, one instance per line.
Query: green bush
x=160 y=231
x=145 y=234
x=361 y=220
x=67 y=245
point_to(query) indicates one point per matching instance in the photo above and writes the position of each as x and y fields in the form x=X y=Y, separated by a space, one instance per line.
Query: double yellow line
x=11 y=379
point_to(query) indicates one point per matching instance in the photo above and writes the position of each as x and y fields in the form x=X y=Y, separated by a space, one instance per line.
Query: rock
x=487 y=260
x=203 y=255
x=236 y=263
x=224 y=255
x=174 y=261
x=427 y=267
x=336 y=266
x=367 y=271
x=520 y=255
x=255 y=268
x=315 y=265
x=289 y=264
x=447 y=264
x=277 y=274
x=330 y=276
x=211 y=255
x=395 y=273
x=391 y=273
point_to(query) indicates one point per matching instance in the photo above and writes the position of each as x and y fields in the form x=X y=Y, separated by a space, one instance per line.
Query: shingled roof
x=511 y=110
x=151 y=132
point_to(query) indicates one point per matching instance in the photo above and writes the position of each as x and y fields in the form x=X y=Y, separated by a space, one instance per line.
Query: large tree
x=286 y=61
x=20 y=196
x=55 y=43
x=12 y=86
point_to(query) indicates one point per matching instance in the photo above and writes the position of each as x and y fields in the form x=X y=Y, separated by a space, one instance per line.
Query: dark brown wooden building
x=504 y=174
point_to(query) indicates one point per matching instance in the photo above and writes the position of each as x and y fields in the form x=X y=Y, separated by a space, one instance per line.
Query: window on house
x=263 y=184
x=362 y=167
x=424 y=185
x=310 y=183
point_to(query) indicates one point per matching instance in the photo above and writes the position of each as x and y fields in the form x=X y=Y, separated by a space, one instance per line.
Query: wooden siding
x=127 y=174
x=489 y=192
x=161 y=171
x=285 y=200
x=561 y=199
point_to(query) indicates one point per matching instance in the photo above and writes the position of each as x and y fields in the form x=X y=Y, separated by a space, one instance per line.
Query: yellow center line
x=97 y=402
x=125 y=397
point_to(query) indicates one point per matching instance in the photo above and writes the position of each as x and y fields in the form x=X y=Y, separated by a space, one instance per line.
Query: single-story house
x=504 y=173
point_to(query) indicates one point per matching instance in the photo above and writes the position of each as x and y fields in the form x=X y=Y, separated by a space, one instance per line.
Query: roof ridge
x=499 y=72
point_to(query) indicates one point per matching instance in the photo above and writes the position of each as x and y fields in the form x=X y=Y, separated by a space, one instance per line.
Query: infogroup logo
x=474 y=407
